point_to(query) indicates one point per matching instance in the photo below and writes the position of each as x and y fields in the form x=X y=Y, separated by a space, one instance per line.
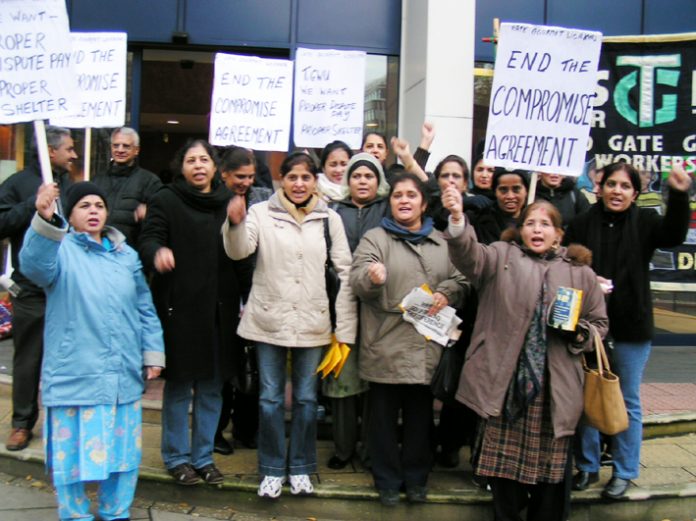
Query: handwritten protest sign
x=329 y=97
x=99 y=61
x=440 y=327
x=251 y=102
x=36 y=76
x=541 y=101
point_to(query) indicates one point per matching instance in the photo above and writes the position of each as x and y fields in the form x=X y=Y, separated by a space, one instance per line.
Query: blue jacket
x=101 y=326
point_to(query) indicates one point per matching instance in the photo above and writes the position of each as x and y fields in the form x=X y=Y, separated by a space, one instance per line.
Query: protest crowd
x=422 y=311
x=203 y=278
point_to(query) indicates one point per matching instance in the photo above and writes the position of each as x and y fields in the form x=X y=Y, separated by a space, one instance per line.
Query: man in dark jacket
x=127 y=186
x=17 y=198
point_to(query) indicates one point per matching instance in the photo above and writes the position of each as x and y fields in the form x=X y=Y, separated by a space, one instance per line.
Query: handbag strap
x=600 y=353
x=602 y=359
x=327 y=241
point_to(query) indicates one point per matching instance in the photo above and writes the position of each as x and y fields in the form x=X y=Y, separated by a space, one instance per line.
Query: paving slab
x=666 y=455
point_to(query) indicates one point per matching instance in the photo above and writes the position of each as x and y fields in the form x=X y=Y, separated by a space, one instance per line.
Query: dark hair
x=178 y=161
x=373 y=133
x=452 y=158
x=408 y=176
x=331 y=147
x=554 y=214
x=233 y=158
x=298 y=158
x=500 y=172
x=633 y=175
x=479 y=150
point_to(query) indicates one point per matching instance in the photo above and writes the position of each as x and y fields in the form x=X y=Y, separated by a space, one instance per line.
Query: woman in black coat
x=623 y=238
x=196 y=290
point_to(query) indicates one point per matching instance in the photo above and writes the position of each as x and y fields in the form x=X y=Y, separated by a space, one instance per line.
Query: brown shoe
x=19 y=439
x=210 y=474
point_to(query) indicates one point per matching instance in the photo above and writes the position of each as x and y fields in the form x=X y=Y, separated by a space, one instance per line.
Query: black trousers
x=457 y=426
x=409 y=465
x=543 y=501
x=29 y=310
x=243 y=410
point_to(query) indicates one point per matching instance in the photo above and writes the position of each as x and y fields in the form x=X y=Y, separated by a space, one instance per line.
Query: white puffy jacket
x=288 y=305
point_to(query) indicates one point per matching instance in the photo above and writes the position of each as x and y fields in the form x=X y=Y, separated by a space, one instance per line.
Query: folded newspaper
x=441 y=327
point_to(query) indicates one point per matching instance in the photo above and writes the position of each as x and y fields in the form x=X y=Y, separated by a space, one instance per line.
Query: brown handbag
x=605 y=409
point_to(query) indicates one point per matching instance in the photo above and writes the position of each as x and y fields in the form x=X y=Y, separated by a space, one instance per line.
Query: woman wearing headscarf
x=288 y=313
x=364 y=208
x=623 y=238
x=196 y=290
x=102 y=338
x=523 y=377
x=403 y=253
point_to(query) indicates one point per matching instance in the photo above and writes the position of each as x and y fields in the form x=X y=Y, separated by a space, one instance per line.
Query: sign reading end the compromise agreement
x=99 y=60
x=541 y=101
x=251 y=102
x=36 y=77
x=329 y=97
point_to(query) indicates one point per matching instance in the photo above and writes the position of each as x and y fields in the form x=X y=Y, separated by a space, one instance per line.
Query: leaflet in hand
x=441 y=327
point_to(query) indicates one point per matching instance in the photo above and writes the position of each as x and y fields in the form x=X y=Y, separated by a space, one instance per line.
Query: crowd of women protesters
x=223 y=266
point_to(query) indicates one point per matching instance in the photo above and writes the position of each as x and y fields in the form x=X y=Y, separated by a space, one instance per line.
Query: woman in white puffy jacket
x=288 y=310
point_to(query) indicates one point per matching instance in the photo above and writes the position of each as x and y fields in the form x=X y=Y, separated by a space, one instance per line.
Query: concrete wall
x=436 y=82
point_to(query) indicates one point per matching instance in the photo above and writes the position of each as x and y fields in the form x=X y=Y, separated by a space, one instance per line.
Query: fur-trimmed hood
x=575 y=253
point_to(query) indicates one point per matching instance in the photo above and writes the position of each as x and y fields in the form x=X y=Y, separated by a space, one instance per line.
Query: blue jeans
x=628 y=360
x=302 y=458
x=207 y=402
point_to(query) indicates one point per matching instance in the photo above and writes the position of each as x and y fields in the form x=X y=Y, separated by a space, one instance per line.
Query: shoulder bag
x=605 y=409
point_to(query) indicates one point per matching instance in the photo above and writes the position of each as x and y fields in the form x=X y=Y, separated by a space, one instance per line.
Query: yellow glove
x=345 y=351
x=331 y=358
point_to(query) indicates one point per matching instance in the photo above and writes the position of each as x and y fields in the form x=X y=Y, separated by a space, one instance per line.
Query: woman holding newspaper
x=403 y=253
x=523 y=377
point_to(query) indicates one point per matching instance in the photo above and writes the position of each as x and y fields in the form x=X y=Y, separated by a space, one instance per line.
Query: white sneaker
x=301 y=484
x=271 y=487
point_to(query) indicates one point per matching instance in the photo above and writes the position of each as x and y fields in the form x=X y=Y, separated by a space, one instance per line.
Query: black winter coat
x=17 y=207
x=198 y=302
x=489 y=223
x=567 y=199
x=622 y=245
x=125 y=188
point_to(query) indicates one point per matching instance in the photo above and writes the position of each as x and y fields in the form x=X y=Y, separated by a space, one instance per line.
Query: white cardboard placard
x=329 y=97
x=251 y=102
x=541 y=100
x=36 y=75
x=100 y=65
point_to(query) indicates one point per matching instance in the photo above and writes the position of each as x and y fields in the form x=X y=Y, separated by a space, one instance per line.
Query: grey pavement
x=30 y=499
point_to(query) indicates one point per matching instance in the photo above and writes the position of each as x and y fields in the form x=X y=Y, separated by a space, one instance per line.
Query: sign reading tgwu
x=645 y=114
